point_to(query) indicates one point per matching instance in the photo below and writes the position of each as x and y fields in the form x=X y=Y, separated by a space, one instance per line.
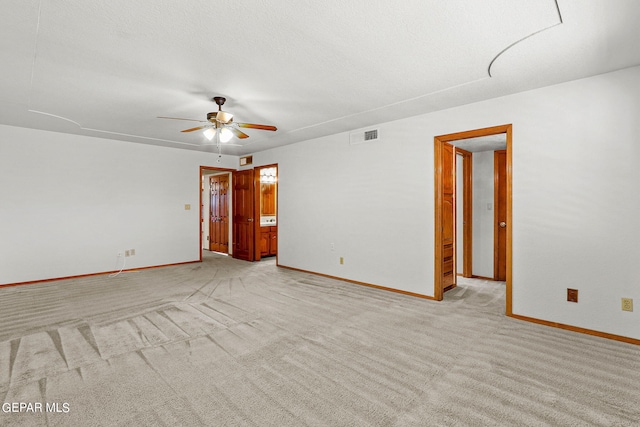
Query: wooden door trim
x=495 y=214
x=200 y=189
x=438 y=290
x=438 y=141
x=467 y=211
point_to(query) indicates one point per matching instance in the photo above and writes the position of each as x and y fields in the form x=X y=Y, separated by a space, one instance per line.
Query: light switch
x=187 y=207
x=489 y=206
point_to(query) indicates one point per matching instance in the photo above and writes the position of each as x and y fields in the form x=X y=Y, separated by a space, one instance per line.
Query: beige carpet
x=229 y=343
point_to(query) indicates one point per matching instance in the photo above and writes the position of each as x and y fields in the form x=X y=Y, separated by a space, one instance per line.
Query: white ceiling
x=108 y=69
x=483 y=143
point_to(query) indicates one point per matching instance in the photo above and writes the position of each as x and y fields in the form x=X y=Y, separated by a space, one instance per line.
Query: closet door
x=219 y=219
x=448 y=216
x=243 y=215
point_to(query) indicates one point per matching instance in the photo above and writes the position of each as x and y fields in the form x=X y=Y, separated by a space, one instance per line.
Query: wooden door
x=448 y=216
x=500 y=215
x=219 y=214
x=243 y=215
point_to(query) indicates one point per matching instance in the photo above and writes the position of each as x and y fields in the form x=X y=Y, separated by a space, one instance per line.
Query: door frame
x=201 y=206
x=438 y=290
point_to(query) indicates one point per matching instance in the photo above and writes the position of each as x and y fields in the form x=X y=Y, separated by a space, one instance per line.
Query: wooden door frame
x=202 y=173
x=256 y=207
x=467 y=211
x=438 y=291
x=496 y=213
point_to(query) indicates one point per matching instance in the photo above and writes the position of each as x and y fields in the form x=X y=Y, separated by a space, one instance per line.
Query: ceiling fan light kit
x=209 y=133
x=220 y=123
x=225 y=134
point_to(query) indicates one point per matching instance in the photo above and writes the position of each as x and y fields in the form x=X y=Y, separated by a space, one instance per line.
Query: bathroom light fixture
x=268 y=175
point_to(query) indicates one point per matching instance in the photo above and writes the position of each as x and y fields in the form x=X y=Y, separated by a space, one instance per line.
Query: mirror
x=268 y=191
x=267 y=199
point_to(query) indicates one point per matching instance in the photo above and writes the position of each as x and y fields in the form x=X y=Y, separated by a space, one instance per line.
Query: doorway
x=215 y=209
x=255 y=205
x=266 y=209
x=445 y=209
x=238 y=211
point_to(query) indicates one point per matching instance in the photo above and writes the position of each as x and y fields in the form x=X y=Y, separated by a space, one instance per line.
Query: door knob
x=503 y=224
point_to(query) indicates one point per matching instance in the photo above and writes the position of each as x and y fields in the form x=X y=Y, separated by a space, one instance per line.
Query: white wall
x=483 y=198
x=68 y=203
x=576 y=148
x=362 y=199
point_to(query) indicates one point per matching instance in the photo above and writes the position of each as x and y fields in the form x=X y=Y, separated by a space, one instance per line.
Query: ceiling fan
x=220 y=123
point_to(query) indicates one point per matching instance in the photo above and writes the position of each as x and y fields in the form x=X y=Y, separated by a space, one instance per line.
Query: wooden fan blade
x=238 y=133
x=193 y=129
x=255 y=126
x=178 y=118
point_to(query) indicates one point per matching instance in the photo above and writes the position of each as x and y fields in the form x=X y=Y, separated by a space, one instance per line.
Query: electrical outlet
x=572 y=295
x=627 y=304
x=132 y=252
x=341 y=260
x=333 y=246
x=127 y=253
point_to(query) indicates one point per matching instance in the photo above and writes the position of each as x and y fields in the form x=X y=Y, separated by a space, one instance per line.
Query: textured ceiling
x=109 y=69
x=483 y=143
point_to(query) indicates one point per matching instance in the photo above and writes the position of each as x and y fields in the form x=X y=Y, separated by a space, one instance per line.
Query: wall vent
x=359 y=137
x=371 y=134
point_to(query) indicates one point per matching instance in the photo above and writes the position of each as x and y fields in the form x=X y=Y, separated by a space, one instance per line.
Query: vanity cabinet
x=268 y=241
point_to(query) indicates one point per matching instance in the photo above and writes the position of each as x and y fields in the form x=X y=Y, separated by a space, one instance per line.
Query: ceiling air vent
x=359 y=137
